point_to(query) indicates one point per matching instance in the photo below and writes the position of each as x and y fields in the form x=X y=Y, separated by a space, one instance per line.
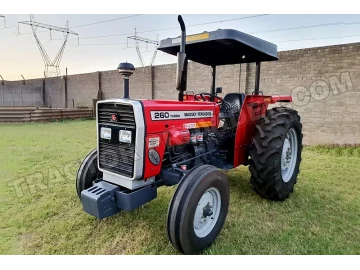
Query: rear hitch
x=104 y=199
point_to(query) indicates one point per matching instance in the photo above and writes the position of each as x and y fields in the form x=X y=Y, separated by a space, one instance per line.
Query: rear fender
x=253 y=109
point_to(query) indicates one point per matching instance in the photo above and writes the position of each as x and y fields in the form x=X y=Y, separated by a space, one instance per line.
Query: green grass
x=45 y=216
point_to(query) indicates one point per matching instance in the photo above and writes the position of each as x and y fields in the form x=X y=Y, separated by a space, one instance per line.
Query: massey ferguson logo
x=113 y=117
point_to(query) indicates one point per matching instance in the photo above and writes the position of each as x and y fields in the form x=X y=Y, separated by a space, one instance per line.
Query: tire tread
x=265 y=153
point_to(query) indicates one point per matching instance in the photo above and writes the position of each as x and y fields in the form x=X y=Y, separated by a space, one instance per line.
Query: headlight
x=105 y=133
x=125 y=136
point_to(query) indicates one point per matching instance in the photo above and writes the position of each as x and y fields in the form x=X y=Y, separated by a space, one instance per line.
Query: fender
x=253 y=109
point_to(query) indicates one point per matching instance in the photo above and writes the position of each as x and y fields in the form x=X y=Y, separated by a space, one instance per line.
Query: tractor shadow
x=140 y=231
x=144 y=231
x=239 y=181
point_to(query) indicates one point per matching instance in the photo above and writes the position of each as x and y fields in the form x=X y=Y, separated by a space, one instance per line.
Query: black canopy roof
x=222 y=47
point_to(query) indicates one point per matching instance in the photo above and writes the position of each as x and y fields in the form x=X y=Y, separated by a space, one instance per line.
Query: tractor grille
x=124 y=112
x=115 y=156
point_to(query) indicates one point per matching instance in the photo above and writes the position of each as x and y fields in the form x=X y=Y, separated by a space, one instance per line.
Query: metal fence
x=38 y=114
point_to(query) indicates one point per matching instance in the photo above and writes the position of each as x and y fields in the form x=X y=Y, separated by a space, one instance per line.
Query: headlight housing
x=105 y=133
x=125 y=136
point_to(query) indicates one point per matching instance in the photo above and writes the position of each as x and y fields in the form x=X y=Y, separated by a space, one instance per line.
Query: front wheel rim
x=289 y=155
x=207 y=212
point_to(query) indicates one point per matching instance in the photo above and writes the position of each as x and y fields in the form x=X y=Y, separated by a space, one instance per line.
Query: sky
x=88 y=52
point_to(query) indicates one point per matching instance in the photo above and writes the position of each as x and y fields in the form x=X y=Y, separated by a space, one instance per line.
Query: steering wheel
x=208 y=94
x=222 y=102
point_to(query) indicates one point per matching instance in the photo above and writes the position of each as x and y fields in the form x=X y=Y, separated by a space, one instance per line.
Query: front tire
x=276 y=153
x=198 y=209
x=87 y=173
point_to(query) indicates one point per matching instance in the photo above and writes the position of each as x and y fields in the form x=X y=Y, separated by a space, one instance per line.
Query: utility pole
x=147 y=41
x=52 y=67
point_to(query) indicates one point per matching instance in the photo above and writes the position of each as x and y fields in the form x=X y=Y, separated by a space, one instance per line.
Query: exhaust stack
x=182 y=62
x=126 y=70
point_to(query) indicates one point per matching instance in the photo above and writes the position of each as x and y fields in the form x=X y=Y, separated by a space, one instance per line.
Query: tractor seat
x=233 y=106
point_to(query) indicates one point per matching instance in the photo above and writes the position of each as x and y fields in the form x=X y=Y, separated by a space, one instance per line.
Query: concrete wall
x=324 y=83
x=16 y=94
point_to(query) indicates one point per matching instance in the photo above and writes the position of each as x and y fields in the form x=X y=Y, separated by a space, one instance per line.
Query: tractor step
x=219 y=161
x=104 y=199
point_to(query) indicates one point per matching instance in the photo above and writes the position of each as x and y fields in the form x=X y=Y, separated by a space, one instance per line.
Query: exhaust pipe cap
x=126 y=69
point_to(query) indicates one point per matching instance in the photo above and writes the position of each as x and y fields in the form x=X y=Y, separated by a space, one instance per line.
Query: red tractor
x=145 y=144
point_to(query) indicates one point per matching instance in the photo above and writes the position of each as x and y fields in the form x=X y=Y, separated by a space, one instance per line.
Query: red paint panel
x=191 y=97
x=169 y=105
x=162 y=128
x=253 y=109
x=151 y=169
x=275 y=99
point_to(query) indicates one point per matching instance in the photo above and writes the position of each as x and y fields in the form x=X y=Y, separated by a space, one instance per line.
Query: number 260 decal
x=160 y=115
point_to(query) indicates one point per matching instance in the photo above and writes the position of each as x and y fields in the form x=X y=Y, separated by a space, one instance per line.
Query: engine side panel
x=165 y=118
x=158 y=121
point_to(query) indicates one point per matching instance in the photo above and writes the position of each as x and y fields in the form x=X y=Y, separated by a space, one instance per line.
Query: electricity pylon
x=147 y=41
x=52 y=67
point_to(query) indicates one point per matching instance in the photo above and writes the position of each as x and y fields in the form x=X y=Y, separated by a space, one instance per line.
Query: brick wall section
x=82 y=89
x=140 y=84
x=54 y=92
x=199 y=79
x=35 y=82
x=330 y=79
x=324 y=83
x=164 y=82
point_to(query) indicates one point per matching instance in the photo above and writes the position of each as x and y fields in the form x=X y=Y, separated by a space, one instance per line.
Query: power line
x=121 y=18
x=103 y=57
x=177 y=27
x=82 y=25
x=304 y=27
x=265 y=31
x=102 y=44
x=277 y=41
x=247 y=17
x=291 y=40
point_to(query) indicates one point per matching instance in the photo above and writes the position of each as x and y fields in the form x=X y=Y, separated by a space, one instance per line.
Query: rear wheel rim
x=207 y=212
x=289 y=155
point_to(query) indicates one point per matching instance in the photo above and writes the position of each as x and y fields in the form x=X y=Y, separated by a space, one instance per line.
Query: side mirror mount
x=181 y=71
x=218 y=90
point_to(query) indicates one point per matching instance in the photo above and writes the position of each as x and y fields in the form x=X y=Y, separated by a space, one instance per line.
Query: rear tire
x=198 y=209
x=87 y=173
x=276 y=153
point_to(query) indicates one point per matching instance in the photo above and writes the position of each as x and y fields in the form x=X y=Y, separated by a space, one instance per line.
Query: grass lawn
x=40 y=212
